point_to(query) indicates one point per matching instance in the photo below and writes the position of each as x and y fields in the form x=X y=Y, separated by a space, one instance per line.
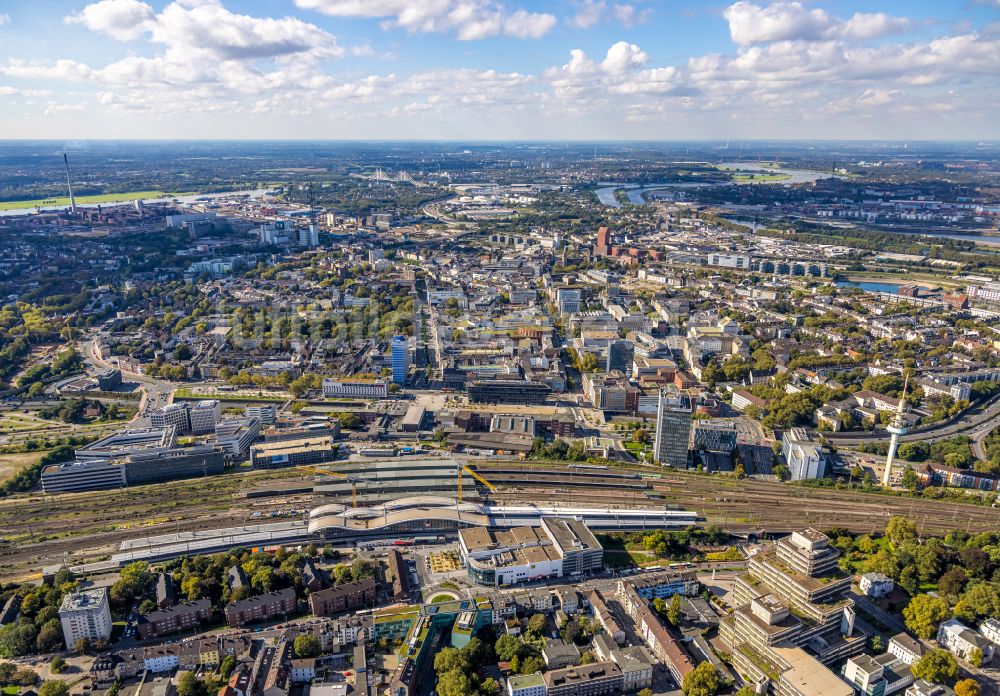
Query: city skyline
x=482 y=70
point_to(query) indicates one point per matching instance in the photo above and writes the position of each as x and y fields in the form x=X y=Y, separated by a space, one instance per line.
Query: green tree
x=188 y=684
x=7 y=670
x=479 y=653
x=508 y=647
x=924 y=613
x=674 y=610
x=572 y=631
x=900 y=530
x=976 y=658
x=980 y=600
x=453 y=683
x=131 y=582
x=58 y=664
x=306 y=646
x=952 y=582
x=744 y=691
x=531 y=664
x=227 y=666
x=17 y=639
x=53 y=687
x=937 y=666
x=451 y=659
x=703 y=680
x=50 y=637
x=649 y=692
x=536 y=624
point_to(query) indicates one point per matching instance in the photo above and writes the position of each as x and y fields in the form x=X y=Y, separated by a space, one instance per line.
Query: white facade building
x=876 y=585
x=265 y=413
x=803 y=456
x=909 y=650
x=363 y=389
x=204 y=415
x=729 y=261
x=991 y=630
x=176 y=415
x=85 y=614
x=961 y=640
x=526 y=685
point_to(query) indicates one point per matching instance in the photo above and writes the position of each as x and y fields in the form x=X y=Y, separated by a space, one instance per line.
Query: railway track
x=43 y=530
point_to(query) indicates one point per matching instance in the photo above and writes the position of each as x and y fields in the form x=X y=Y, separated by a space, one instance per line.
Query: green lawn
x=442 y=597
x=98 y=198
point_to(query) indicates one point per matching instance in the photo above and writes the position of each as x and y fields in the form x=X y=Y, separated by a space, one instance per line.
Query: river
x=635 y=194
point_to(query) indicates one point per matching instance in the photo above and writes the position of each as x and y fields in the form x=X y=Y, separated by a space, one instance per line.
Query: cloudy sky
x=500 y=69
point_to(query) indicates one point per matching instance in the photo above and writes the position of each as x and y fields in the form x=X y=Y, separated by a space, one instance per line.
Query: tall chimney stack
x=69 y=186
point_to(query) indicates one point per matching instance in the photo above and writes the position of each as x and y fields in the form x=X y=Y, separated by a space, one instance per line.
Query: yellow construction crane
x=464 y=468
x=326 y=472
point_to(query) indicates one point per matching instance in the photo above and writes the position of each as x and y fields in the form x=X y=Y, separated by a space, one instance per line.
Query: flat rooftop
x=571 y=535
x=85 y=599
x=810 y=676
x=293 y=446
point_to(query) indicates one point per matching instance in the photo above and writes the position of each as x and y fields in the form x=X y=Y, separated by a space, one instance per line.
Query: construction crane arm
x=479 y=478
x=327 y=472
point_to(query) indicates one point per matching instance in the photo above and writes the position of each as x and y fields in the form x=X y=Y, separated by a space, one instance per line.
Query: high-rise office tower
x=673 y=429
x=400 y=359
x=620 y=356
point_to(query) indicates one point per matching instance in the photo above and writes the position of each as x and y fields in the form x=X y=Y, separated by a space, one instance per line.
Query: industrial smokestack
x=69 y=186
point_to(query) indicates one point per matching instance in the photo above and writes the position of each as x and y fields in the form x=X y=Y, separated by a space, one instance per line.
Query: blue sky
x=486 y=69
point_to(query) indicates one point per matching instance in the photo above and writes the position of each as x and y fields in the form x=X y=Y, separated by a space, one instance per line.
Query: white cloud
x=205 y=60
x=873 y=25
x=59 y=70
x=206 y=29
x=468 y=19
x=528 y=25
x=121 y=19
x=877 y=97
x=6 y=91
x=629 y=15
x=4 y=19
x=589 y=14
x=750 y=23
x=55 y=108
x=224 y=35
x=593 y=11
x=622 y=57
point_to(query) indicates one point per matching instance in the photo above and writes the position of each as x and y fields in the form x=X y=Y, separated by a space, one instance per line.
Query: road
x=981 y=420
x=155 y=393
